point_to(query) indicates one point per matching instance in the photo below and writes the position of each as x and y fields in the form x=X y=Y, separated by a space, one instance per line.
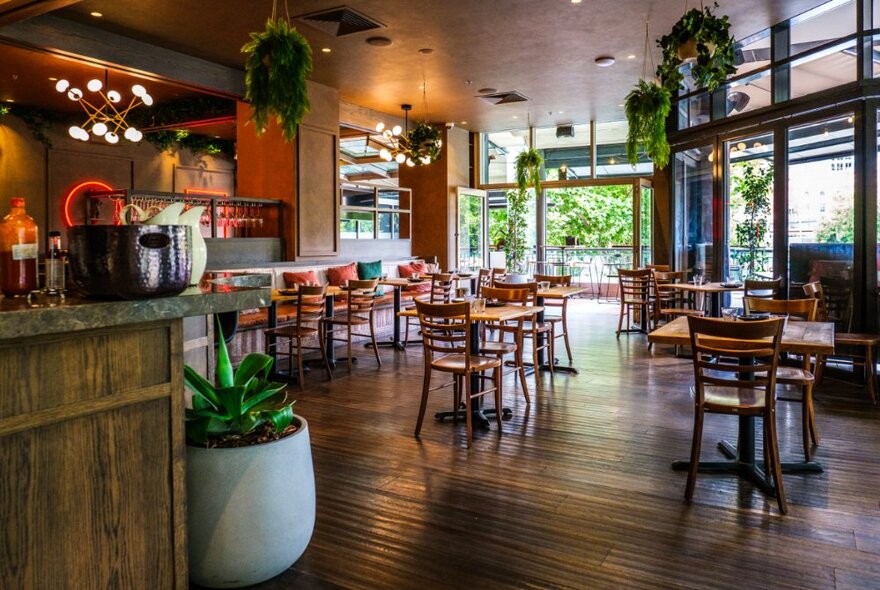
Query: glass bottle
x=54 y=264
x=18 y=251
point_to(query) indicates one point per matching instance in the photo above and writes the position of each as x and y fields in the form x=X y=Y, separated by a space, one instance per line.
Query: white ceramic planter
x=250 y=510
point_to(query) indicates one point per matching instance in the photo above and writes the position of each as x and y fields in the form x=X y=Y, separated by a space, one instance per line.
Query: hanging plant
x=528 y=170
x=704 y=39
x=423 y=144
x=647 y=106
x=279 y=60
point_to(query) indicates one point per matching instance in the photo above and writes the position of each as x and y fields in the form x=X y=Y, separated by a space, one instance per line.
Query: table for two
x=806 y=338
x=715 y=291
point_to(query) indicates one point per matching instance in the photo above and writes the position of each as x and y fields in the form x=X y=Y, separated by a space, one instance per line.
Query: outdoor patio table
x=714 y=290
x=798 y=337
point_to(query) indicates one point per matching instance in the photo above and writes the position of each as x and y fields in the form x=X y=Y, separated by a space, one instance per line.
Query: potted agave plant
x=647 y=106
x=250 y=482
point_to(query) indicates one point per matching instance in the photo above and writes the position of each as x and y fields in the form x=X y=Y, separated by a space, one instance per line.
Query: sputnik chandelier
x=418 y=147
x=107 y=119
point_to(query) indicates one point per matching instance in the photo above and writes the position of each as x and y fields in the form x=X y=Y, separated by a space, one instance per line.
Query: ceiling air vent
x=340 y=21
x=564 y=131
x=497 y=98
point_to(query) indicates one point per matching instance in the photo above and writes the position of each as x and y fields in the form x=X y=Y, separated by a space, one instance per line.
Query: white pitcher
x=173 y=214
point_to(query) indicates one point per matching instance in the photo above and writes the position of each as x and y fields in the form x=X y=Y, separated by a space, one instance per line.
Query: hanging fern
x=424 y=142
x=647 y=106
x=279 y=60
x=528 y=170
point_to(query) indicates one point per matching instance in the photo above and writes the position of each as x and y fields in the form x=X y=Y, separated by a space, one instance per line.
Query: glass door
x=646 y=225
x=694 y=223
x=472 y=229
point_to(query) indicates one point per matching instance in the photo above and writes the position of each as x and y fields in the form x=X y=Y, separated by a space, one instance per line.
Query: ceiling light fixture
x=631 y=56
x=105 y=119
x=487 y=90
x=575 y=1
x=426 y=51
x=410 y=148
x=326 y=50
x=379 y=41
x=604 y=61
x=96 y=14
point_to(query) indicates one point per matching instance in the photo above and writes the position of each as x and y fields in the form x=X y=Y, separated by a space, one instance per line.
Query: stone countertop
x=217 y=292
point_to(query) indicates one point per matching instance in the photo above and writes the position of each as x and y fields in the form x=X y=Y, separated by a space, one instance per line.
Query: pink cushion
x=337 y=275
x=300 y=278
x=406 y=270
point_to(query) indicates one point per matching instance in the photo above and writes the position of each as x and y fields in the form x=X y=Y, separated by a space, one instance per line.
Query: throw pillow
x=337 y=275
x=371 y=270
x=406 y=270
x=300 y=278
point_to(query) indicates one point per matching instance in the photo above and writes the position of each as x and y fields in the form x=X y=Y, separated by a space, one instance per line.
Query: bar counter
x=92 y=473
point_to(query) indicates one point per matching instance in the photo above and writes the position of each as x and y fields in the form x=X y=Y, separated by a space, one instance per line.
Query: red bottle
x=18 y=251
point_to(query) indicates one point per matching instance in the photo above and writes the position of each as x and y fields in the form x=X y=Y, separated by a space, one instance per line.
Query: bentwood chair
x=501 y=348
x=534 y=329
x=560 y=319
x=735 y=366
x=441 y=292
x=801 y=309
x=359 y=312
x=768 y=289
x=635 y=295
x=446 y=333
x=311 y=304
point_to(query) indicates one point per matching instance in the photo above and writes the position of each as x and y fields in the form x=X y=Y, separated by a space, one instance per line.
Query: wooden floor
x=577 y=492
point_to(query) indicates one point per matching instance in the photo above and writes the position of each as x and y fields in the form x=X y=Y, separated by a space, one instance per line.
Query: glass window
x=358 y=196
x=356 y=225
x=694 y=111
x=389 y=199
x=833 y=67
x=821 y=212
x=753 y=52
x=824 y=23
x=647 y=225
x=389 y=226
x=749 y=93
x=749 y=209
x=566 y=151
x=596 y=216
x=692 y=172
x=499 y=153
x=611 y=152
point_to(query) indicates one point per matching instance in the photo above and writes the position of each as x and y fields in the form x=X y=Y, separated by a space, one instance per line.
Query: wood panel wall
x=91 y=459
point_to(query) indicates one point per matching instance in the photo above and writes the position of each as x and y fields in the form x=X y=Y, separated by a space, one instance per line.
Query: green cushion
x=371 y=270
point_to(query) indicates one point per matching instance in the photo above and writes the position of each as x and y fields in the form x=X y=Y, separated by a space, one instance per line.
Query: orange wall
x=429 y=207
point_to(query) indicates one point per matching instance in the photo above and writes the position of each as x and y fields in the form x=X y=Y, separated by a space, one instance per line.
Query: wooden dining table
x=479 y=415
x=283 y=295
x=806 y=338
x=398 y=284
x=713 y=290
x=555 y=292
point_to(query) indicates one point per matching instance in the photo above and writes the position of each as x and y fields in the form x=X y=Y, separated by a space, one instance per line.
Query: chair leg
x=456 y=395
x=551 y=360
x=565 y=335
x=498 y=401
x=695 y=453
x=467 y=404
x=348 y=348
x=770 y=438
x=820 y=369
x=811 y=412
x=518 y=356
x=870 y=372
x=375 y=346
x=299 y=362
x=426 y=385
x=322 y=342
x=806 y=420
x=620 y=319
x=406 y=334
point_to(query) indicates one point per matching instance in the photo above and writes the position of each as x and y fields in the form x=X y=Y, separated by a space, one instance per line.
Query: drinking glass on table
x=460 y=292
x=478 y=305
x=414 y=276
x=729 y=313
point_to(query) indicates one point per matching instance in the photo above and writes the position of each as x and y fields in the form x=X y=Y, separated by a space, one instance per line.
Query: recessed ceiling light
x=326 y=50
x=10 y=100
x=52 y=79
x=561 y=112
x=620 y=104
x=216 y=137
x=575 y=1
x=516 y=117
x=426 y=50
x=462 y=123
x=487 y=90
x=379 y=41
x=96 y=14
x=604 y=61
x=631 y=56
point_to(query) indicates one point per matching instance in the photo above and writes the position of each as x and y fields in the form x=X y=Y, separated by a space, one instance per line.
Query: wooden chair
x=635 y=294
x=803 y=309
x=446 y=332
x=668 y=301
x=311 y=304
x=560 y=319
x=500 y=348
x=484 y=279
x=497 y=275
x=359 y=311
x=863 y=345
x=658 y=267
x=735 y=366
x=534 y=329
x=441 y=292
x=764 y=289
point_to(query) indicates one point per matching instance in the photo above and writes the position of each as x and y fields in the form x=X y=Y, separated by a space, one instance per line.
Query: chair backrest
x=661 y=281
x=441 y=287
x=763 y=289
x=838 y=301
x=311 y=303
x=498 y=272
x=446 y=328
x=635 y=285
x=361 y=296
x=805 y=309
x=507 y=294
x=658 y=267
x=531 y=287
x=554 y=280
x=736 y=354
x=814 y=291
x=484 y=279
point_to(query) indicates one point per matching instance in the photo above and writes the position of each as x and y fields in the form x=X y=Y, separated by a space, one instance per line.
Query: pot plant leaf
x=647 y=107
x=278 y=63
x=252 y=366
x=528 y=170
x=424 y=144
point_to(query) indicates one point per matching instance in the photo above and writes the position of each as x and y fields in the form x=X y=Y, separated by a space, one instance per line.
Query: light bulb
x=410 y=163
x=114 y=96
x=439 y=143
x=99 y=129
x=111 y=137
x=62 y=85
x=138 y=90
x=148 y=100
x=74 y=94
x=426 y=160
x=396 y=130
x=94 y=85
x=132 y=134
x=74 y=131
x=400 y=158
x=380 y=126
x=384 y=154
x=741 y=146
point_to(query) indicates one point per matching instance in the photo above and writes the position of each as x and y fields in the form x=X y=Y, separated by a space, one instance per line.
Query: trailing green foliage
x=715 y=50
x=181 y=111
x=279 y=61
x=528 y=170
x=37 y=120
x=197 y=144
x=598 y=216
x=515 y=236
x=4 y=110
x=753 y=187
x=239 y=403
x=424 y=141
x=647 y=107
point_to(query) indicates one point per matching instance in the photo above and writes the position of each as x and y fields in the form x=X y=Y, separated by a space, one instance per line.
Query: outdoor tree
x=598 y=216
x=515 y=238
x=838 y=228
x=753 y=187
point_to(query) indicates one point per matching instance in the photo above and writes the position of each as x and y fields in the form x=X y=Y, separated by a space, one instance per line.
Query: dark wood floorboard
x=577 y=492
